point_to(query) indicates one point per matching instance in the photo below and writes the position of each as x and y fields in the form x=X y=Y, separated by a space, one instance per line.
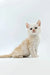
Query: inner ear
x=27 y=25
x=39 y=22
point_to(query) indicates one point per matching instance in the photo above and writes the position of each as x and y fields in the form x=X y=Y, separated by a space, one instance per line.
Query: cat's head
x=34 y=29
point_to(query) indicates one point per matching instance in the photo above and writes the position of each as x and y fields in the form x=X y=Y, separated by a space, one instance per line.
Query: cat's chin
x=33 y=34
x=36 y=33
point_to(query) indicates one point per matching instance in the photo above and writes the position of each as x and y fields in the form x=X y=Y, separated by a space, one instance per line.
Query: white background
x=13 y=16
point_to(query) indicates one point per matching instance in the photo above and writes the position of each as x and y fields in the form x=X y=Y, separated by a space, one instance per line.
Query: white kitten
x=33 y=31
x=30 y=45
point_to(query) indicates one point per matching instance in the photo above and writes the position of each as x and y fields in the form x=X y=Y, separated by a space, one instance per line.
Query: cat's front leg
x=35 y=52
x=32 y=53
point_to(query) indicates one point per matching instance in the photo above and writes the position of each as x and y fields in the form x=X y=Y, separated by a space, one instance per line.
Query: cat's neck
x=33 y=36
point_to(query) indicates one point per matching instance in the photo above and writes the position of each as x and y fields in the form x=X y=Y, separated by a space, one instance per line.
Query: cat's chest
x=34 y=41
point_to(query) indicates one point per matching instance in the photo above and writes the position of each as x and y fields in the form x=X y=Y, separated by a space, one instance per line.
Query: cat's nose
x=33 y=30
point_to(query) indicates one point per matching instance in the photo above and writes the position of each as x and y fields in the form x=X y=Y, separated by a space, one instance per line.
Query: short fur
x=30 y=45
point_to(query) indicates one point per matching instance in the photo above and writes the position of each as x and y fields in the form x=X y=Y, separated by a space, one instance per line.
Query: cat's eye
x=30 y=28
x=35 y=27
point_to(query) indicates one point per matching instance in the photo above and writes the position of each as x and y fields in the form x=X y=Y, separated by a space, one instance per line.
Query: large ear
x=39 y=22
x=27 y=25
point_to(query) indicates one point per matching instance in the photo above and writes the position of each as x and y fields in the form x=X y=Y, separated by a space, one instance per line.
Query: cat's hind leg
x=17 y=53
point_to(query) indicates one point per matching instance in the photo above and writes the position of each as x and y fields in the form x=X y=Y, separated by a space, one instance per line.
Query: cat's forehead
x=33 y=25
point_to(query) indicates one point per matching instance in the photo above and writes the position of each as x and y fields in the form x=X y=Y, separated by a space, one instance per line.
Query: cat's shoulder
x=25 y=41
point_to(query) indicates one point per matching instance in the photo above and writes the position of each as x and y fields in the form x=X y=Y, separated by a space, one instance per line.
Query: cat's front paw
x=35 y=56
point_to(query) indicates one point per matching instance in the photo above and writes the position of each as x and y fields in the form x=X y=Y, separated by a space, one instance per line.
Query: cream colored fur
x=30 y=45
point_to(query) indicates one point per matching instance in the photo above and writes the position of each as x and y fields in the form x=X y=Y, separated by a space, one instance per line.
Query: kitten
x=30 y=45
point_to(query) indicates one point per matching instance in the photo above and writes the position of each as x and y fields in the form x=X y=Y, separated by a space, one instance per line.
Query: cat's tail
x=6 y=56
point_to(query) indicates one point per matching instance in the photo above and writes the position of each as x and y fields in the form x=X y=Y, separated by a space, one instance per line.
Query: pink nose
x=33 y=30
